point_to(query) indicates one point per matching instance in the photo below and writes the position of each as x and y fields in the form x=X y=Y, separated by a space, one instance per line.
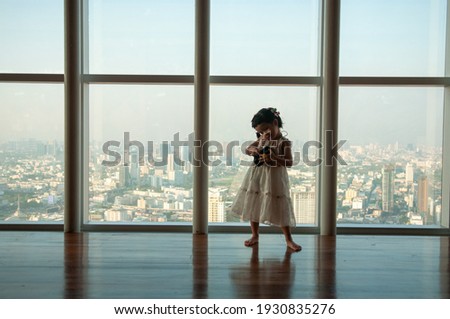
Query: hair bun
x=274 y=111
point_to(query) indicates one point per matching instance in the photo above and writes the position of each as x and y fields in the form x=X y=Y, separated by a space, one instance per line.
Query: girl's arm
x=283 y=159
x=252 y=149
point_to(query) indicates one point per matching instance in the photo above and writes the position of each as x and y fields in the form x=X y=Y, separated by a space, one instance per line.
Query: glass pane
x=141 y=37
x=265 y=37
x=393 y=155
x=139 y=186
x=393 y=38
x=31 y=152
x=232 y=109
x=32 y=36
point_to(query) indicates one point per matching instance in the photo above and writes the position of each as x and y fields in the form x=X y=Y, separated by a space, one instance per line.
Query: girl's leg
x=289 y=241
x=255 y=234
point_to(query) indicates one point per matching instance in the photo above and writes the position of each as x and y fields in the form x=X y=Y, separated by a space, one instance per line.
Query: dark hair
x=267 y=115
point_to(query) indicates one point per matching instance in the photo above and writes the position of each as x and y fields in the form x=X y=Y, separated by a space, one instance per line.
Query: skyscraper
x=387 y=187
x=304 y=205
x=124 y=176
x=409 y=174
x=216 y=211
x=170 y=163
x=134 y=168
x=422 y=194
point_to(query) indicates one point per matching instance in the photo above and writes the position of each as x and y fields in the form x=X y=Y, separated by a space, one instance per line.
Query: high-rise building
x=124 y=176
x=170 y=163
x=216 y=210
x=304 y=205
x=409 y=199
x=182 y=159
x=387 y=188
x=409 y=174
x=422 y=194
x=134 y=168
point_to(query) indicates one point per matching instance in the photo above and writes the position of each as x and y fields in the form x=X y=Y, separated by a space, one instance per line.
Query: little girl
x=264 y=193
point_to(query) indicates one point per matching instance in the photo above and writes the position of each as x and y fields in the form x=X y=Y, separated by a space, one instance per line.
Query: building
x=359 y=203
x=422 y=195
x=156 y=181
x=117 y=216
x=387 y=188
x=409 y=174
x=124 y=176
x=351 y=193
x=142 y=203
x=216 y=208
x=135 y=168
x=304 y=205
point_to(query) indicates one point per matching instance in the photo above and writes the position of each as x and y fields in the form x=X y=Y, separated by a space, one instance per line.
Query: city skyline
x=164 y=194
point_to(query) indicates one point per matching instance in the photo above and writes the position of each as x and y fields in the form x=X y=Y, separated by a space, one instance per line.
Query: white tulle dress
x=264 y=194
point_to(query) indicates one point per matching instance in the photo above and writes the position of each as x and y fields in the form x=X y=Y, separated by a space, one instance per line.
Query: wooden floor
x=165 y=265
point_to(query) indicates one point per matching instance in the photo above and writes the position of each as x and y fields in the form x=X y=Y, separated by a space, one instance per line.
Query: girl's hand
x=270 y=158
x=252 y=150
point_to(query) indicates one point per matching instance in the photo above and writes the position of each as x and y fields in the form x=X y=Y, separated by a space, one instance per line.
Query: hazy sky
x=251 y=37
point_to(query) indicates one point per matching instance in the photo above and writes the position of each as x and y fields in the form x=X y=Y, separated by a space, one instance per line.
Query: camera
x=261 y=156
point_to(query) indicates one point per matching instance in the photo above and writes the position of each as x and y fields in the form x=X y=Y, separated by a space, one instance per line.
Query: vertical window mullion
x=201 y=116
x=73 y=188
x=330 y=91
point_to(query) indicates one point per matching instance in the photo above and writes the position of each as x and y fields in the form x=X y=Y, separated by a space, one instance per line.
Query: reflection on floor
x=179 y=265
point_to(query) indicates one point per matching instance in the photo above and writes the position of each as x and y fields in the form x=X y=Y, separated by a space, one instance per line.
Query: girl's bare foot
x=292 y=245
x=252 y=241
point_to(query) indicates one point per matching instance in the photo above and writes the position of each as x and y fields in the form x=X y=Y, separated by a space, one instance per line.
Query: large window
x=278 y=43
x=393 y=38
x=31 y=152
x=141 y=37
x=393 y=173
x=232 y=110
x=32 y=36
x=265 y=37
x=393 y=155
x=31 y=112
x=136 y=173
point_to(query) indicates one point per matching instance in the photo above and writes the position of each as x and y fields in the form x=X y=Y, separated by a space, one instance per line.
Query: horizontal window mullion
x=32 y=226
x=389 y=231
x=31 y=77
x=138 y=78
x=398 y=81
x=266 y=80
x=187 y=79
